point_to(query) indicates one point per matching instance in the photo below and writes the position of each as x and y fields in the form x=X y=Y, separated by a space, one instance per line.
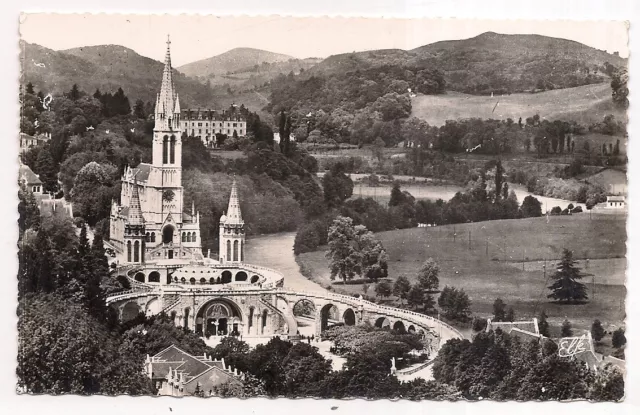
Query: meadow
x=584 y=104
x=505 y=259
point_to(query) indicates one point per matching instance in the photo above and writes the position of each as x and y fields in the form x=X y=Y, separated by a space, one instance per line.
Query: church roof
x=28 y=176
x=176 y=359
x=141 y=172
x=234 y=215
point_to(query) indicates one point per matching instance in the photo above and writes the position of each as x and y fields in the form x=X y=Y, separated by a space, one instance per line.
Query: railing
x=171 y=306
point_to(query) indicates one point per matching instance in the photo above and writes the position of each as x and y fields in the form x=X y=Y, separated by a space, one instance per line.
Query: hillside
x=231 y=61
x=491 y=62
x=584 y=104
x=106 y=67
x=511 y=63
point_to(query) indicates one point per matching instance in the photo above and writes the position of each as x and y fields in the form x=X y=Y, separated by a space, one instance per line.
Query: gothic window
x=241 y=251
x=235 y=250
x=128 y=251
x=165 y=150
x=188 y=236
x=184 y=237
x=136 y=251
x=148 y=237
x=193 y=237
x=228 y=250
x=172 y=153
x=153 y=236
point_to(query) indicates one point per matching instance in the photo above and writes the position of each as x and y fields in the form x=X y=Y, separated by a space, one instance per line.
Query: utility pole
x=469 y=247
x=523 y=258
x=454 y=233
x=487 y=249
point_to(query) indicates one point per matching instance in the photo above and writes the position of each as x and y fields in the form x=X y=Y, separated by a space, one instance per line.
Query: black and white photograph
x=322 y=207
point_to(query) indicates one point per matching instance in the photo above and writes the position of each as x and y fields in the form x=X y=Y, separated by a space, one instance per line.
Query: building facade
x=149 y=223
x=205 y=124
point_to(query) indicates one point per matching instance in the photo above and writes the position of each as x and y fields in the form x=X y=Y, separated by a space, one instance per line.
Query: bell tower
x=166 y=175
x=232 y=231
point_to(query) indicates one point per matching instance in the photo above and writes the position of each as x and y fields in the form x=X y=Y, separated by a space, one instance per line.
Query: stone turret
x=232 y=232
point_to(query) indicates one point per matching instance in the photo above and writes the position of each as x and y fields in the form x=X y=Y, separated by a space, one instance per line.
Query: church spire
x=135 y=212
x=167 y=97
x=234 y=216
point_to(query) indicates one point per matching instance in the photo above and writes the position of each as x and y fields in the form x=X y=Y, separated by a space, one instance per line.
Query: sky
x=195 y=37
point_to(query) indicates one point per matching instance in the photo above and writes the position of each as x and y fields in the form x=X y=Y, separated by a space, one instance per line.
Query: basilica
x=150 y=222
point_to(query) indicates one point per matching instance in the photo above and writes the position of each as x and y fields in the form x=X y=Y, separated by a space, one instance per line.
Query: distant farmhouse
x=27 y=141
x=205 y=124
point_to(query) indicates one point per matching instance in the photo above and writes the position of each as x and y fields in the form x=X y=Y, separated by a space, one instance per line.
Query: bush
x=124 y=282
x=479 y=324
x=577 y=209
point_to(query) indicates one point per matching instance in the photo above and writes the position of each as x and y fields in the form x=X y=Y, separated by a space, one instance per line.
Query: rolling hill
x=231 y=61
x=106 y=67
x=490 y=62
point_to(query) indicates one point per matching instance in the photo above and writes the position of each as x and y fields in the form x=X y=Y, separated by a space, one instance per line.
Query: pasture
x=584 y=104
x=505 y=259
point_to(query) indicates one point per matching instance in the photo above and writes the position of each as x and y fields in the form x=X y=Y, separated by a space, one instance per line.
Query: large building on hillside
x=205 y=124
x=150 y=222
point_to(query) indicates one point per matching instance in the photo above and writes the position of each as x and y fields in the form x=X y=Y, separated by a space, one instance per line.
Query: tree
x=428 y=275
x=499 y=310
x=499 y=179
x=401 y=287
x=383 y=289
x=566 y=330
x=511 y=315
x=429 y=304
x=543 y=325
x=567 y=287
x=139 y=110
x=455 y=303
x=415 y=297
x=337 y=186
x=618 y=339
x=597 y=331
x=354 y=251
x=27 y=209
x=47 y=171
x=531 y=207
x=74 y=94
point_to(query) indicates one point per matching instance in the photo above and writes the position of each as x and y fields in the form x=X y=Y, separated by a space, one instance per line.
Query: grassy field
x=491 y=265
x=585 y=104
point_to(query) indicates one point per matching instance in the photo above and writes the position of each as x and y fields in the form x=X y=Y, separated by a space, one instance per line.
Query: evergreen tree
x=566 y=286
x=511 y=315
x=429 y=304
x=74 y=94
x=46 y=169
x=138 y=109
x=499 y=179
x=28 y=210
x=29 y=89
x=499 y=310
x=98 y=95
x=415 y=297
x=401 y=287
x=543 y=325
x=566 y=330
x=597 y=332
x=44 y=267
x=618 y=339
x=505 y=191
x=98 y=269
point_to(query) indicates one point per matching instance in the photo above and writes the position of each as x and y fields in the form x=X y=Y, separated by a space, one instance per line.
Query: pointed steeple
x=167 y=97
x=135 y=212
x=234 y=216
